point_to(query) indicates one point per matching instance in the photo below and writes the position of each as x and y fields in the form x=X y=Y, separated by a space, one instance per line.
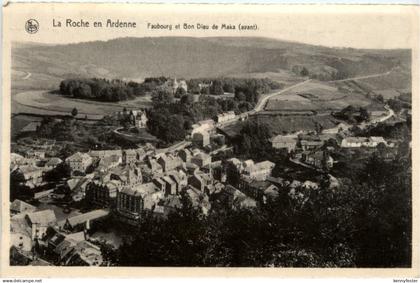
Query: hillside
x=187 y=57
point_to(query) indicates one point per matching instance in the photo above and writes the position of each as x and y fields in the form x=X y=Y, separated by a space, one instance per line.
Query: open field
x=294 y=123
x=320 y=96
x=23 y=80
x=396 y=80
x=49 y=103
x=290 y=97
x=389 y=86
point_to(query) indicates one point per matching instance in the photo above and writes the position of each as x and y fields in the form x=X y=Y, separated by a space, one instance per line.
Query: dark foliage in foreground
x=364 y=223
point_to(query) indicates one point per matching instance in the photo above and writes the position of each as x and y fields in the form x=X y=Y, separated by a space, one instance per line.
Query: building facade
x=284 y=142
x=169 y=162
x=129 y=157
x=202 y=159
x=103 y=194
x=258 y=171
x=134 y=201
x=79 y=161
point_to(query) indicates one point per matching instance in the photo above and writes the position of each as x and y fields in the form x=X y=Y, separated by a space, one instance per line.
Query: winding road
x=263 y=101
x=260 y=104
x=381 y=119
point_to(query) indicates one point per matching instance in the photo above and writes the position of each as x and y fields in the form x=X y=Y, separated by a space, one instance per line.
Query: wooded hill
x=187 y=57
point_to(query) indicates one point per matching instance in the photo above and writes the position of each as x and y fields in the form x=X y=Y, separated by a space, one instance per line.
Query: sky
x=377 y=27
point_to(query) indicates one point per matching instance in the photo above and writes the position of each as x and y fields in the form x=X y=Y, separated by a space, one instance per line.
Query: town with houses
x=304 y=163
x=127 y=184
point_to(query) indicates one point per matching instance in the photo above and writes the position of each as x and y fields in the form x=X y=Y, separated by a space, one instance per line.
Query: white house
x=203 y=126
x=225 y=117
x=354 y=142
x=258 y=171
x=284 y=142
x=375 y=141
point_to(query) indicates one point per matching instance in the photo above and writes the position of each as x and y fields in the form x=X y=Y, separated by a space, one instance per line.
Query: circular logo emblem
x=32 y=26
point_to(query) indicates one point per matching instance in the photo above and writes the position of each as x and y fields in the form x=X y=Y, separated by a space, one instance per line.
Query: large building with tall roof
x=134 y=201
x=103 y=192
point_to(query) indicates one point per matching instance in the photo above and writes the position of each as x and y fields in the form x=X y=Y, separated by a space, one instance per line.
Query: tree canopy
x=108 y=90
x=254 y=140
x=352 y=114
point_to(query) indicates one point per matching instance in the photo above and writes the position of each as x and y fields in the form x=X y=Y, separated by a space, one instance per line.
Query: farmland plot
x=49 y=103
x=318 y=96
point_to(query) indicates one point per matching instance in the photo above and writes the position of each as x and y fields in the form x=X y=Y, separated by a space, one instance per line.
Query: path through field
x=363 y=77
x=28 y=75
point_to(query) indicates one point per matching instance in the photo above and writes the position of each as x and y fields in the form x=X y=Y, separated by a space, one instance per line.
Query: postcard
x=210 y=140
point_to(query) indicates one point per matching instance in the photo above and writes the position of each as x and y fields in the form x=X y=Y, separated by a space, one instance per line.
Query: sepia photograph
x=206 y=139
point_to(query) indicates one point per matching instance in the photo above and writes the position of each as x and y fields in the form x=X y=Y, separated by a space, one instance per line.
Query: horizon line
x=52 y=44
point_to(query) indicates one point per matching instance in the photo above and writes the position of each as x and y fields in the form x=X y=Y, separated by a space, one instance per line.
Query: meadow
x=51 y=103
x=321 y=97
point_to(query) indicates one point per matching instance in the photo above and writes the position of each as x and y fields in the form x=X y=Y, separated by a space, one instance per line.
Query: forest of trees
x=352 y=114
x=118 y=90
x=218 y=86
x=396 y=131
x=397 y=104
x=80 y=136
x=254 y=141
x=364 y=223
x=108 y=90
x=169 y=120
x=333 y=71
